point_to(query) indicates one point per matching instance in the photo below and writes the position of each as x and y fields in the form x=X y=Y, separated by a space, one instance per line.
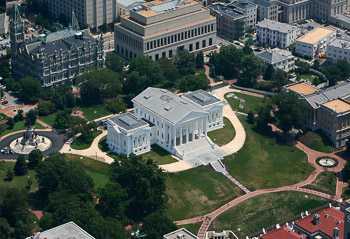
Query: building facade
x=327 y=110
x=53 y=58
x=177 y=124
x=163 y=28
x=278 y=58
x=276 y=34
x=230 y=23
x=314 y=43
x=94 y=13
x=124 y=6
x=249 y=9
x=338 y=50
x=266 y=10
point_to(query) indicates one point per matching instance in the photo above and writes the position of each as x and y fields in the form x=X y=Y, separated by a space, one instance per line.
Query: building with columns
x=178 y=124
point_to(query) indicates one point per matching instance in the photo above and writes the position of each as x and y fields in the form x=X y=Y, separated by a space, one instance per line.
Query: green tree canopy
x=185 y=62
x=4 y=229
x=170 y=71
x=156 y=225
x=30 y=89
x=20 y=166
x=114 y=63
x=199 y=60
x=32 y=116
x=193 y=82
x=269 y=71
x=46 y=108
x=116 y=105
x=34 y=158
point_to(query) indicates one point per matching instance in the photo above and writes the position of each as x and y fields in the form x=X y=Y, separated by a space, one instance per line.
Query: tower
x=16 y=31
x=75 y=24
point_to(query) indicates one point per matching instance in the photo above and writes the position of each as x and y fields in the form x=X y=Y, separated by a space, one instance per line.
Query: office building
x=53 y=58
x=124 y=6
x=230 y=23
x=249 y=9
x=163 y=28
x=275 y=34
x=278 y=58
x=266 y=10
x=338 y=49
x=314 y=43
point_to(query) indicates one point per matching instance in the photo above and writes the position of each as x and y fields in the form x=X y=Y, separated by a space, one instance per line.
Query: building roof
x=338 y=105
x=201 y=97
x=159 y=6
x=329 y=219
x=128 y=3
x=316 y=35
x=242 y=4
x=128 y=121
x=262 y=3
x=274 y=55
x=230 y=11
x=340 y=43
x=167 y=105
x=180 y=233
x=69 y=230
x=276 y=26
x=282 y=233
x=302 y=88
x=329 y=94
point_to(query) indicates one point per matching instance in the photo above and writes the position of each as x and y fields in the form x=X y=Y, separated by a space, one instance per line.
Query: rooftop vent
x=146 y=97
x=167 y=108
x=326 y=216
x=316 y=219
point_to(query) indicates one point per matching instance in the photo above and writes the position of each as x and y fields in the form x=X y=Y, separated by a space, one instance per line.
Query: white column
x=174 y=136
x=187 y=134
x=181 y=135
x=205 y=126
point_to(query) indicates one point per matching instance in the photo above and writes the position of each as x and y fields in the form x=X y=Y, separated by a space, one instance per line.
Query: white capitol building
x=178 y=124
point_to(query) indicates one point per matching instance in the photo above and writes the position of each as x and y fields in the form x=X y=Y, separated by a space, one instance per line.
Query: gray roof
x=128 y=3
x=128 y=121
x=262 y=3
x=180 y=233
x=340 y=43
x=166 y=104
x=276 y=26
x=226 y=10
x=329 y=94
x=242 y=4
x=274 y=55
x=201 y=97
x=69 y=230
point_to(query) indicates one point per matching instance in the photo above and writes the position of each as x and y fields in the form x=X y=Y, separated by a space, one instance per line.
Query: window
x=190 y=47
x=210 y=41
x=170 y=53
x=157 y=56
x=204 y=43
x=197 y=45
x=163 y=54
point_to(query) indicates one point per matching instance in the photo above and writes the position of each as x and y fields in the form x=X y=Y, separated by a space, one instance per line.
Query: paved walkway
x=78 y=113
x=43 y=124
x=235 y=181
x=207 y=72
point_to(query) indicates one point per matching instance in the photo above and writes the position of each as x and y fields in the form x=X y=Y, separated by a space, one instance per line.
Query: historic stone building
x=54 y=58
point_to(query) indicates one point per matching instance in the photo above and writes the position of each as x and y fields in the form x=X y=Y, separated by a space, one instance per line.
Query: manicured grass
x=198 y=191
x=266 y=210
x=325 y=182
x=20 y=126
x=267 y=161
x=251 y=103
x=20 y=182
x=94 y=111
x=308 y=77
x=159 y=155
x=3 y=116
x=99 y=171
x=317 y=140
x=224 y=135
x=194 y=227
x=102 y=145
x=80 y=144
x=49 y=119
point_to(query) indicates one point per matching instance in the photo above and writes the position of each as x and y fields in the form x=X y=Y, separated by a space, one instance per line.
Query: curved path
x=312 y=156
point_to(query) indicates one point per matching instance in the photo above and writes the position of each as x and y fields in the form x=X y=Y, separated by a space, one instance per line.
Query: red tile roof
x=343 y=203
x=327 y=224
x=282 y=233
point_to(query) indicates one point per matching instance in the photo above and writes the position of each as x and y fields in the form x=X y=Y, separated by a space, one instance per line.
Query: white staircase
x=219 y=167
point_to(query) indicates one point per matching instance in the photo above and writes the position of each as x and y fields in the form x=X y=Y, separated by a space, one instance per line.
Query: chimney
x=316 y=219
x=336 y=233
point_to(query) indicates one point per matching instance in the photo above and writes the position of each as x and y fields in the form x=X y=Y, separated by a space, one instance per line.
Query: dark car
x=4 y=102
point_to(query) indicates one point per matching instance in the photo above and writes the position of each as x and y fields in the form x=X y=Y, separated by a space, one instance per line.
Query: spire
x=17 y=15
x=75 y=24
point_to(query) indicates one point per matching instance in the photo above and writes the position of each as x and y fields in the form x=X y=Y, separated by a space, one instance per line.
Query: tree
x=303 y=67
x=71 y=101
x=247 y=49
x=264 y=119
x=193 y=82
x=269 y=71
x=104 y=28
x=250 y=117
x=346 y=172
x=251 y=67
x=291 y=48
x=10 y=123
x=34 y=158
x=280 y=79
x=185 y=62
x=316 y=65
x=170 y=71
x=22 y=230
x=144 y=183
x=10 y=174
x=116 y=105
x=344 y=68
x=20 y=166
x=32 y=116
x=114 y=63
x=46 y=108
x=112 y=201
x=62 y=119
x=156 y=225
x=199 y=60
x=19 y=116
x=4 y=229
x=30 y=89
x=290 y=110
x=348 y=147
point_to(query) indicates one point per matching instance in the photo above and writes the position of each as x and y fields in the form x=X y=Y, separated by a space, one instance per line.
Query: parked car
x=4 y=102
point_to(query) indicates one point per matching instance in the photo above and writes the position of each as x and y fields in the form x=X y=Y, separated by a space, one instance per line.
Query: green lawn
x=325 y=182
x=251 y=103
x=80 y=144
x=198 y=191
x=3 y=116
x=49 y=119
x=99 y=171
x=265 y=210
x=20 y=126
x=18 y=181
x=102 y=145
x=94 y=111
x=159 y=155
x=317 y=140
x=308 y=77
x=267 y=161
x=224 y=135
x=194 y=227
